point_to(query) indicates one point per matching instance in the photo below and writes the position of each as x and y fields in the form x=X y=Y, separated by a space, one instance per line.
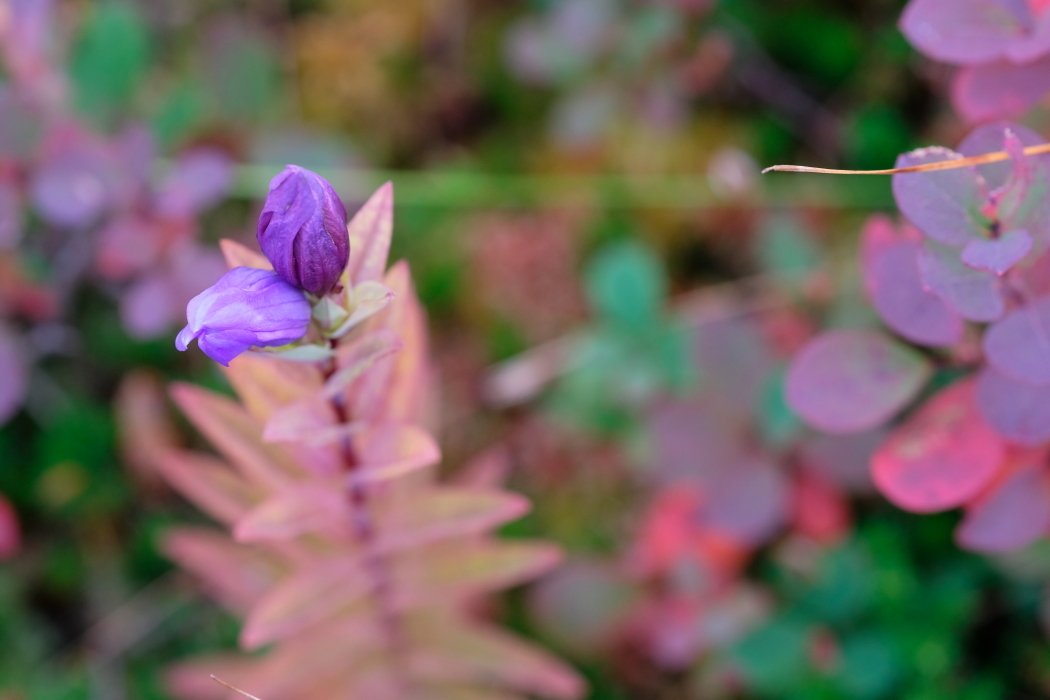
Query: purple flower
x=245 y=307
x=302 y=230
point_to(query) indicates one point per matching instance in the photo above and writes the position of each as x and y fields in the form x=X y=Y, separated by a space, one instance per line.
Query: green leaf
x=109 y=58
x=626 y=285
x=871 y=666
x=786 y=251
x=773 y=658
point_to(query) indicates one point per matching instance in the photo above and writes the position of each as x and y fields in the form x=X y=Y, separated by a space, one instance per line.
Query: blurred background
x=613 y=290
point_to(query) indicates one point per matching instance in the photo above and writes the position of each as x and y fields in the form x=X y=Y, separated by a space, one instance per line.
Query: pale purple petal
x=849 y=381
x=902 y=301
x=971 y=32
x=1018 y=411
x=944 y=204
x=199 y=179
x=1000 y=90
x=974 y=294
x=1019 y=344
x=1012 y=516
x=997 y=255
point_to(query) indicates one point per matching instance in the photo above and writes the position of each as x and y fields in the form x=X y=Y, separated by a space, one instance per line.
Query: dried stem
x=925 y=168
x=234 y=689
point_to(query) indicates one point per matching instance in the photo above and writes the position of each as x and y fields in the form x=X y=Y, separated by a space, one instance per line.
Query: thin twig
x=927 y=167
x=236 y=690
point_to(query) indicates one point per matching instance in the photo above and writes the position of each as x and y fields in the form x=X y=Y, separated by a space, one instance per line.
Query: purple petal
x=1018 y=411
x=999 y=254
x=1012 y=516
x=1019 y=344
x=246 y=307
x=974 y=294
x=848 y=381
x=973 y=31
x=1000 y=90
x=904 y=303
x=944 y=204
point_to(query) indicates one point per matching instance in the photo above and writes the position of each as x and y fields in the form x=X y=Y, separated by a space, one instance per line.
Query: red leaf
x=10 y=532
x=819 y=510
x=942 y=456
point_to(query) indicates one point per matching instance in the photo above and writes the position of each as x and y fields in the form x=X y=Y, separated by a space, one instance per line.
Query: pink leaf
x=819 y=510
x=415 y=518
x=1019 y=344
x=1013 y=514
x=10 y=531
x=357 y=357
x=390 y=450
x=1001 y=89
x=239 y=255
x=370 y=230
x=1018 y=411
x=941 y=457
x=974 y=294
x=997 y=255
x=295 y=511
x=852 y=380
x=903 y=302
x=209 y=483
x=265 y=384
x=975 y=31
x=943 y=204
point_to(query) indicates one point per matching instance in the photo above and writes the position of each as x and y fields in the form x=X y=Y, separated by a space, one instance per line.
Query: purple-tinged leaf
x=988 y=139
x=1019 y=344
x=1014 y=514
x=14 y=374
x=748 y=503
x=10 y=530
x=199 y=179
x=845 y=460
x=974 y=294
x=941 y=457
x=997 y=255
x=12 y=219
x=1000 y=90
x=847 y=381
x=971 y=32
x=903 y=303
x=944 y=204
x=74 y=187
x=693 y=440
x=1018 y=411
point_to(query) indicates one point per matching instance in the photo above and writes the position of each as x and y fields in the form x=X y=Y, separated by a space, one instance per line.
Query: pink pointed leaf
x=1014 y=514
x=975 y=295
x=1018 y=411
x=236 y=575
x=370 y=231
x=848 y=381
x=944 y=204
x=210 y=484
x=997 y=255
x=301 y=421
x=234 y=433
x=942 y=456
x=355 y=358
x=902 y=301
x=422 y=517
x=390 y=450
x=240 y=255
x=971 y=32
x=462 y=651
x=365 y=300
x=1019 y=344
x=265 y=384
x=296 y=511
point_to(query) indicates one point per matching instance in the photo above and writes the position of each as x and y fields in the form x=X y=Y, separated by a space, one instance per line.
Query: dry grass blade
x=236 y=690
x=925 y=168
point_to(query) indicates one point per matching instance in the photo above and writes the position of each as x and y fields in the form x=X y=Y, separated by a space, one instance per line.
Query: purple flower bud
x=302 y=230
x=245 y=307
